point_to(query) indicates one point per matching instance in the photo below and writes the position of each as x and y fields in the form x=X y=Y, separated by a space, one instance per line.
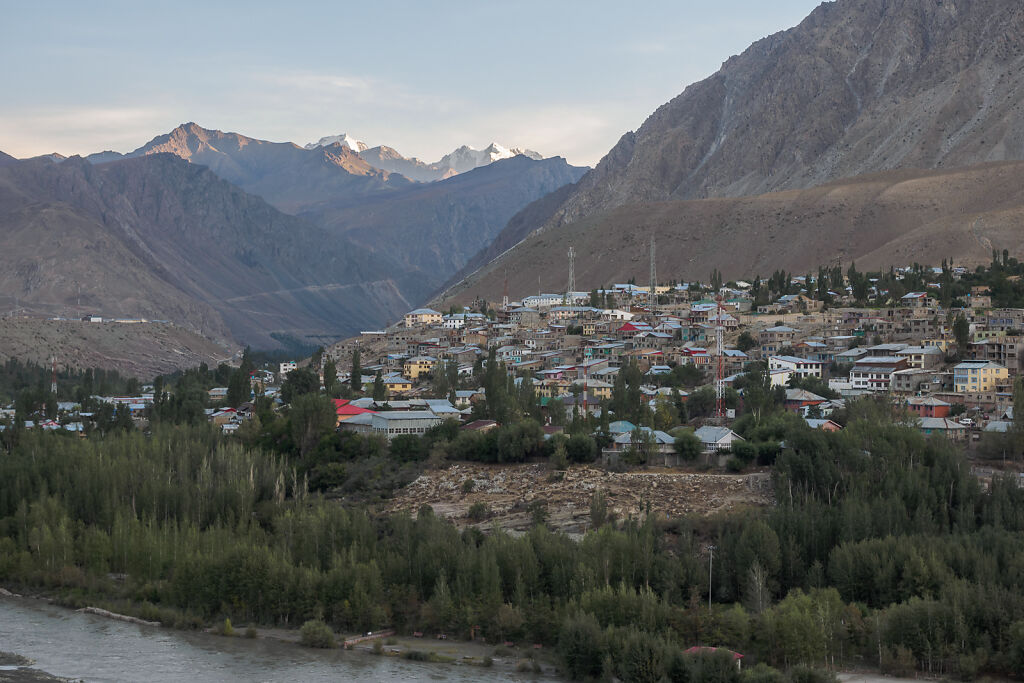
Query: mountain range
x=857 y=88
x=288 y=242
x=157 y=237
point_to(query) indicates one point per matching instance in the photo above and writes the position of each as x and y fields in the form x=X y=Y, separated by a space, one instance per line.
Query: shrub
x=487 y=662
x=225 y=629
x=251 y=632
x=734 y=464
x=478 y=511
x=467 y=486
x=416 y=656
x=808 y=674
x=315 y=633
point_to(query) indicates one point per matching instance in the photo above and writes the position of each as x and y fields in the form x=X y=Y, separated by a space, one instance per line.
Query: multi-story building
x=974 y=376
x=874 y=373
x=422 y=317
x=775 y=338
x=418 y=365
x=801 y=367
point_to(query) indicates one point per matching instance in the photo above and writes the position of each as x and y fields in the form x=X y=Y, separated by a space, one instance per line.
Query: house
x=951 y=429
x=418 y=365
x=874 y=373
x=657 y=446
x=921 y=357
x=717 y=438
x=479 y=426
x=773 y=339
x=801 y=367
x=917 y=300
x=798 y=400
x=824 y=425
x=423 y=317
x=973 y=376
x=218 y=393
x=286 y=367
x=397 y=385
x=928 y=406
x=344 y=410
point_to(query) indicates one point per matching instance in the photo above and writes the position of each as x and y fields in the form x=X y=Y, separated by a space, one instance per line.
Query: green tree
x=380 y=390
x=688 y=446
x=356 y=382
x=962 y=335
x=330 y=376
x=312 y=417
x=299 y=382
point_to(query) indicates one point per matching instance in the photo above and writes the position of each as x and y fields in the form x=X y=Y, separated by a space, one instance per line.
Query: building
x=287 y=367
x=951 y=429
x=921 y=357
x=392 y=423
x=874 y=373
x=773 y=339
x=974 y=376
x=928 y=406
x=418 y=365
x=802 y=367
x=717 y=438
x=422 y=317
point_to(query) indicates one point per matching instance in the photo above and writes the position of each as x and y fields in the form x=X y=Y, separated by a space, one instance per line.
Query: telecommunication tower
x=719 y=369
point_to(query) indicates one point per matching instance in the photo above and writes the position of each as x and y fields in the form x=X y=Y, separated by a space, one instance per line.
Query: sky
x=563 y=78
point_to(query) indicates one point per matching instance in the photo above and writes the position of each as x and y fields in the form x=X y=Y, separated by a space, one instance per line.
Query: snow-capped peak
x=466 y=158
x=344 y=139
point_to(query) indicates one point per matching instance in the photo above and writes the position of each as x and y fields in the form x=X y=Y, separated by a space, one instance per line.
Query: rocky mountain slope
x=157 y=237
x=436 y=228
x=878 y=220
x=859 y=86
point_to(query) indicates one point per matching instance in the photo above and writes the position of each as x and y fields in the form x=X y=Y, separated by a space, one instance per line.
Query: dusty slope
x=141 y=350
x=892 y=218
x=859 y=86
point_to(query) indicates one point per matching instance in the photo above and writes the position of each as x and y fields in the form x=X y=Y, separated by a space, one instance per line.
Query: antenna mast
x=719 y=370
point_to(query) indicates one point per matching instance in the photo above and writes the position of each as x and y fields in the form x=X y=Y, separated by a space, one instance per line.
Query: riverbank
x=79 y=645
x=442 y=654
x=15 y=668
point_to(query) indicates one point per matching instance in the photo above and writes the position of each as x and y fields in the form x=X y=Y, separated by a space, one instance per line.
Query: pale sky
x=422 y=76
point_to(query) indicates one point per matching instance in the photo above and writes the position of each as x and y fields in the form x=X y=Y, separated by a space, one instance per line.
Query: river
x=83 y=646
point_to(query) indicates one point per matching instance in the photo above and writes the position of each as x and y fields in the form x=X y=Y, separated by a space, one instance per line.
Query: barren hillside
x=878 y=220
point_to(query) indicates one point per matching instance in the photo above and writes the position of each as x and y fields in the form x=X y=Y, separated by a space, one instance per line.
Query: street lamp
x=711 y=564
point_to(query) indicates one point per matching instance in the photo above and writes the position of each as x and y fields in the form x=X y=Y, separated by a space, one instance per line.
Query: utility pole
x=711 y=563
x=654 y=278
